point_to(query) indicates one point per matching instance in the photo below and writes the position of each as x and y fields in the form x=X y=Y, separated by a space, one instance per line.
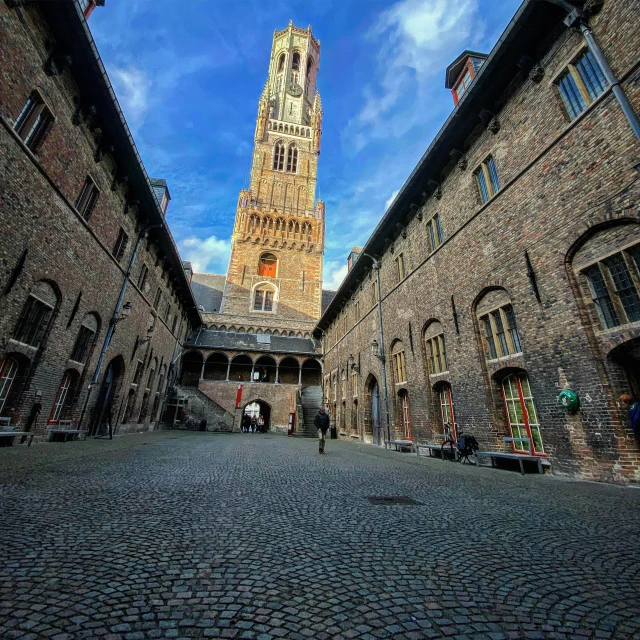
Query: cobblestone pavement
x=175 y=535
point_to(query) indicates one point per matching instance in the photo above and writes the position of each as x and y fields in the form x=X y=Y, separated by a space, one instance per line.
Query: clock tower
x=275 y=269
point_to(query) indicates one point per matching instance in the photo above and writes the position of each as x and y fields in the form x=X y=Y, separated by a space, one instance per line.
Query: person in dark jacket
x=246 y=423
x=633 y=408
x=322 y=424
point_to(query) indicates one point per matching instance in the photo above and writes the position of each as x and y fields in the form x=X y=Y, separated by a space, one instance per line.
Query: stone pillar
x=277 y=372
x=202 y=372
x=253 y=368
x=300 y=375
x=228 y=370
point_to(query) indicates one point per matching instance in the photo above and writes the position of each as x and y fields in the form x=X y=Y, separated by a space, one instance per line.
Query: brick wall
x=38 y=193
x=564 y=185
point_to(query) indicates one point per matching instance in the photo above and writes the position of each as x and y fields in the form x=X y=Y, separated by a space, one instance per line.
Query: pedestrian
x=322 y=425
x=254 y=425
x=260 y=424
x=627 y=401
x=246 y=423
x=256 y=376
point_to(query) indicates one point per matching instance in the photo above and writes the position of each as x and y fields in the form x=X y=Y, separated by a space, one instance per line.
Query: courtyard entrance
x=257 y=408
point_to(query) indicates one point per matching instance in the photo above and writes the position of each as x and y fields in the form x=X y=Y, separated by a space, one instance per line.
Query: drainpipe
x=383 y=359
x=114 y=318
x=576 y=19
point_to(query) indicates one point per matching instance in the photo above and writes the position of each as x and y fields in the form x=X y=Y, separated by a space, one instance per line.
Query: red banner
x=239 y=396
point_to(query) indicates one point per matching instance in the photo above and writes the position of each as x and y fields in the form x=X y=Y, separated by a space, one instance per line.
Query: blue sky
x=188 y=74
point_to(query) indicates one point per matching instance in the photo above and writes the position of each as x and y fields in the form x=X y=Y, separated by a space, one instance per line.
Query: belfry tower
x=275 y=270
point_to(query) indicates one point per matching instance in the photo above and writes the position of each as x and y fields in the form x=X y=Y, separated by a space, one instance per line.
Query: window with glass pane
x=61 y=398
x=501 y=338
x=399 y=367
x=8 y=371
x=581 y=84
x=482 y=186
x=624 y=286
x=493 y=174
x=406 y=416
x=87 y=198
x=446 y=411
x=573 y=100
x=488 y=336
x=82 y=345
x=263 y=300
x=521 y=413
x=436 y=220
x=591 y=74
x=33 y=122
x=32 y=322
x=513 y=328
x=601 y=297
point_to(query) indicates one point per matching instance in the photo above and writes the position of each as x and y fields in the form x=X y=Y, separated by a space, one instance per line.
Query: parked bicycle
x=465 y=445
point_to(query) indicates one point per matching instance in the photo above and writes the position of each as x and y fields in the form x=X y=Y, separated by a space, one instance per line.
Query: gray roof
x=207 y=290
x=252 y=342
x=327 y=297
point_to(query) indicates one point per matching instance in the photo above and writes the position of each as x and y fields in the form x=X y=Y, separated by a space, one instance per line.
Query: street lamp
x=150 y=331
x=352 y=366
x=375 y=351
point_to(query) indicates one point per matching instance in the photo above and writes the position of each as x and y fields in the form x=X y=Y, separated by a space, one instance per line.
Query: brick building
x=79 y=216
x=260 y=316
x=509 y=262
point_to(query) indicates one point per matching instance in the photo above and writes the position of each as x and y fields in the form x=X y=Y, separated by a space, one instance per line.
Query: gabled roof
x=208 y=289
x=455 y=68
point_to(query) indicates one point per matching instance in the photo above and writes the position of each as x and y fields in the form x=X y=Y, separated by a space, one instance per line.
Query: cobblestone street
x=174 y=535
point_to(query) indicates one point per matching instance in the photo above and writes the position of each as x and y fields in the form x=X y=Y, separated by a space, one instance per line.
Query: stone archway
x=259 y=407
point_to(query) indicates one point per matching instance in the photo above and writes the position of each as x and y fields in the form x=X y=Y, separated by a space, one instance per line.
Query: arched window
x=86 y=338
x=447 y=415
x=278 y=156
x=62 y=404
x=435 y=348
x=292 y=159
x=268 y=265
x=405 y=415
x=498 y=325
x=8 y=371
x=521 y=413
x=264 y=298
x=254 y=223
x=399 y=366
x=280 y=225
x=36 y=314
x=281 y=63
x=295 y=62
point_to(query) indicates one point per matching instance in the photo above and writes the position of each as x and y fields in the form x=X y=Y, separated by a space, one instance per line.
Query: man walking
x=322 y=424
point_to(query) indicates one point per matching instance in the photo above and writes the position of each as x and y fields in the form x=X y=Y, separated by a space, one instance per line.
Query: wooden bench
x=509 y=455
x=399 y=444
x=64 y=428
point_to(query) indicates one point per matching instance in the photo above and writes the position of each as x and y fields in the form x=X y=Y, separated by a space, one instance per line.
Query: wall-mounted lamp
x=353 y=367
x=375 y=351
x=124 y=314
x=150 y=331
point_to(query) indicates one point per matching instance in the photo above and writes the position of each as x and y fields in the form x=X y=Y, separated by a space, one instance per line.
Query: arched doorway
x=626 y=361
x=104 y=411
x=259 y=408
x=372 y=414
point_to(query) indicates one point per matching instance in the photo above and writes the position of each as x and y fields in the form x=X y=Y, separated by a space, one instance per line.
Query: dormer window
x=462 y=72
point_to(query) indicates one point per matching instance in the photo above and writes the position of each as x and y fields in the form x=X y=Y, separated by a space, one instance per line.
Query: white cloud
x=132 y=88
x=391 y=198
x=416 y=40
x=208 y=255
x=334 y=273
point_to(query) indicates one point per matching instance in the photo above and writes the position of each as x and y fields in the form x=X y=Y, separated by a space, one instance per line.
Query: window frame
x=33 y=122
x=83 y=344
x=400 y=268
x=487 y=179
x=436 y=352
x=33 y=309
x=87 y=199
x=120 y=246
x=585 y=86
x=500 y=344
x=529 y=426
x=445 y=403
x=142 y=276
x=434 y=229
x=266 y=289
x=9 y=368
x=399 y=367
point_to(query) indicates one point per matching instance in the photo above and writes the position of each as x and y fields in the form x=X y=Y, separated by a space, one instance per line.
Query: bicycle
x=465 y=446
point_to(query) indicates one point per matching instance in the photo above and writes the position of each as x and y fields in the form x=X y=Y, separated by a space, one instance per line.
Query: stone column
x=202 y=371
x=228 y=370
x=277 y=372
x=300 y=375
